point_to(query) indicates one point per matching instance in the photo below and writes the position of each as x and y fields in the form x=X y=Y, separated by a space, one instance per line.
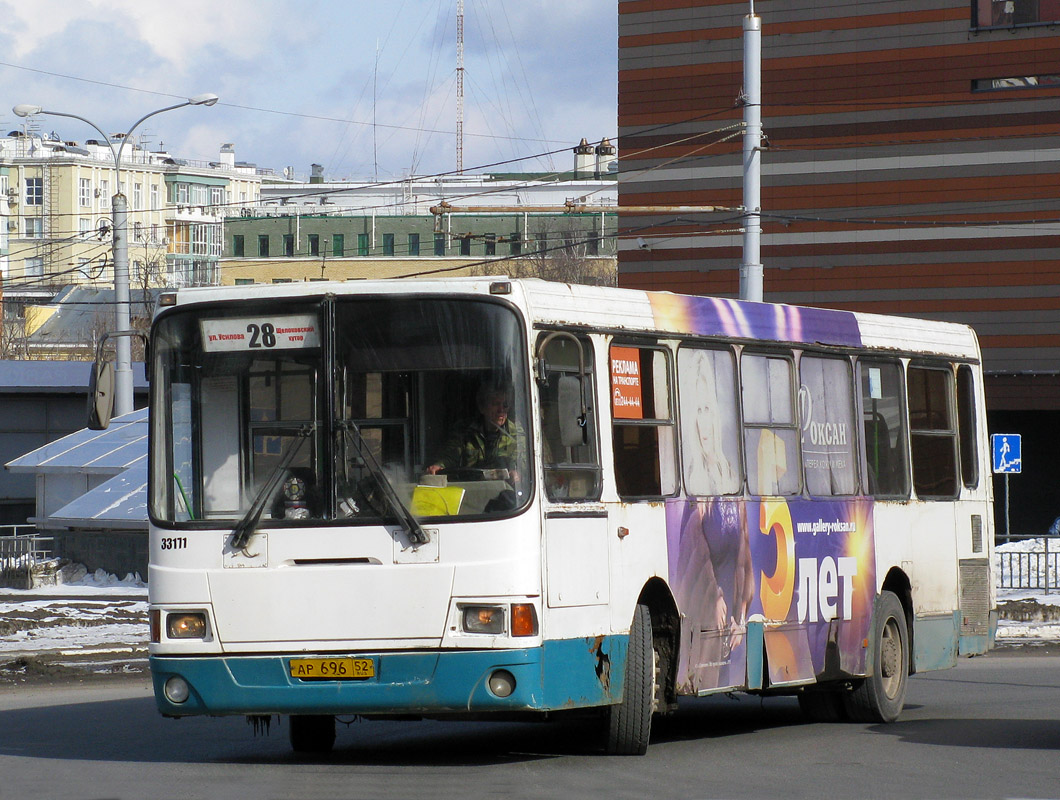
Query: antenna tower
x=460 y=87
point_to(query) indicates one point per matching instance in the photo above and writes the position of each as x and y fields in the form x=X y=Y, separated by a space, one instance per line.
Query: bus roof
x=635 y=310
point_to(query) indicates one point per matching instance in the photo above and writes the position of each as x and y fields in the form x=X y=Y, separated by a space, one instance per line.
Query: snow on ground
x=94 y=621
x=80 y=582
x=1028 y=614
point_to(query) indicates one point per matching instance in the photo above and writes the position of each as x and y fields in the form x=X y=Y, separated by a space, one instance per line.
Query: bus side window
x=771 y=441
x=710 y=422
x=966 y=426
x=933 y=433
x=643 y=428
x=572 y=472
x=883 y=419
x=826 y=410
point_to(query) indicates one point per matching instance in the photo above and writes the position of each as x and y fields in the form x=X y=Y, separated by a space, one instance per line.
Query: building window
x=199 y=241
x=84 y=268
x=34 y=267
x=439 y=244
x=515 y=243
x=338 y=244
x=362 y=244
x=154 y=197
x=491 y=244
x=244 y=281
x=217 y=195
x=465 y=245
x=34 y=191
x=85 y=227
x=238 y=245
x=104 y=195
x=281 y=280
x=288 y=244
x=138 y=197
x=542 y=242
x=592 y=245
x=34 y=227
x=181 y=193
x=388 y=244
x=1009 y=13
x=1029 y=82
x=138 y=232
x=263 y=246
x=314 y=244
x=414 y=244
x=84 y=192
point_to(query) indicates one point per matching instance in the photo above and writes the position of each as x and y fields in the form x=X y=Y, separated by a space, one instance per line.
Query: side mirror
x=571 y=421
x=100 y=395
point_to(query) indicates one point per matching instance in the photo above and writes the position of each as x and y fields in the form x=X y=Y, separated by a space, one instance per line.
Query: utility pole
x=751 y=270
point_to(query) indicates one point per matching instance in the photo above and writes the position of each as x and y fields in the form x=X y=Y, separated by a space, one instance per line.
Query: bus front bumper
x=575 y=673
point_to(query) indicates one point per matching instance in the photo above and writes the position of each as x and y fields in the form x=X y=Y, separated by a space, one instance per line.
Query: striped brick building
x=913 y=168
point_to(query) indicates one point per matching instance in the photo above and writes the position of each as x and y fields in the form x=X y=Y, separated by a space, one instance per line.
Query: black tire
x=823 y=705
x=629 y=722
x=881 y=696
x=312 y=733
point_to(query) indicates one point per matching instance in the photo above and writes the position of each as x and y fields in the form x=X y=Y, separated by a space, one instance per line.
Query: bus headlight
x=483 y=619
x=186 y=625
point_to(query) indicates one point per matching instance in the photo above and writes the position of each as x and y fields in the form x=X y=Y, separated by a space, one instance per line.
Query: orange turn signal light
x=524 y=619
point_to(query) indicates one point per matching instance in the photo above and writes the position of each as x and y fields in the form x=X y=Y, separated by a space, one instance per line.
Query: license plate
x=334 y=669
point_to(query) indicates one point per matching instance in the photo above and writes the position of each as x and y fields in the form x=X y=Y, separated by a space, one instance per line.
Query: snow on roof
x=120 y=502
x=102 y=452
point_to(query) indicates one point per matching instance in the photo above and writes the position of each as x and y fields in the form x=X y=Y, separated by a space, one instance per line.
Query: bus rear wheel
x=629 y=722
x=312 y=733
x=881 y=696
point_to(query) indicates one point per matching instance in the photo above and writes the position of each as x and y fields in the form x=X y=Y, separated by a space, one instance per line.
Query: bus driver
x=491 y=440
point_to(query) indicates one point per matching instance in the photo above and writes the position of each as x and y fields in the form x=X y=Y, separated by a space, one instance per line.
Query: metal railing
x=20 y=554
x=1036 y=566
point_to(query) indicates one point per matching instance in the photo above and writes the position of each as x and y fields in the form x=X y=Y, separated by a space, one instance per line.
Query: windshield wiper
x=415 y=532
x=244 y=529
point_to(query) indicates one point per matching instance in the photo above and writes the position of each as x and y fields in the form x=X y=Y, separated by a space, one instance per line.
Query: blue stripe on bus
x=573 y=673
x=971 y=645
x=935 y=641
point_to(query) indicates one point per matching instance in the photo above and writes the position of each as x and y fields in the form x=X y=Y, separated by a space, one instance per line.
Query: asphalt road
x=989 y=728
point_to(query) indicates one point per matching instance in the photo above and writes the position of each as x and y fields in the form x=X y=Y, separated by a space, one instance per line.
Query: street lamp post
x=123 y=382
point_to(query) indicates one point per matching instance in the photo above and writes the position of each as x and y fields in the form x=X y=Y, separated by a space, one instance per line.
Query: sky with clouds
x=301 y=81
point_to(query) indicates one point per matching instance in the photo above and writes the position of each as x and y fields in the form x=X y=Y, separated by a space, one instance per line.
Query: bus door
x=644 y=455
x=577 y=579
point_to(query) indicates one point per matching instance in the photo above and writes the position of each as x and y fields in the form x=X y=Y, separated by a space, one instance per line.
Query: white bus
x=447 y=498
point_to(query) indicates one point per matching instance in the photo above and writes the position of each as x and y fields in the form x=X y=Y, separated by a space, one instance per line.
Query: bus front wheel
x=881 y=696
x=629 y=722
x=312 y=733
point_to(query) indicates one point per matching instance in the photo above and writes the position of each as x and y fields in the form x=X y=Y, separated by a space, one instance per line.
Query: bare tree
x=561 y=250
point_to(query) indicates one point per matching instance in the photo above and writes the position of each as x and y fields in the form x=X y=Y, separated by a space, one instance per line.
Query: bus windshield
x=344 y=410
